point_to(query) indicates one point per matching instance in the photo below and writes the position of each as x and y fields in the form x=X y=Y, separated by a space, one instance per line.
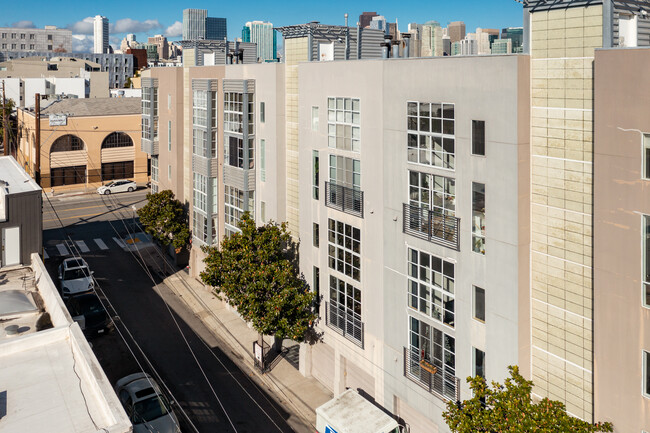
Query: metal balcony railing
x=431 y=376
x=345 y=199
x=432 y=226
x=344 y=322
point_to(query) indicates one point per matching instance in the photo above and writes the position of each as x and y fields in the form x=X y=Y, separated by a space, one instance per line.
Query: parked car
x=75 y=277
x=146 y=405
x=87 y=310
x=117 y=186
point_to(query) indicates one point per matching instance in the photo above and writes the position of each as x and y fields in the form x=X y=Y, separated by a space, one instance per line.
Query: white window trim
x=645 y=371
x=644 y=239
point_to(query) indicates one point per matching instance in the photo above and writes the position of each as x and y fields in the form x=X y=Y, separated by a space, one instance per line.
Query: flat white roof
x=16 y=180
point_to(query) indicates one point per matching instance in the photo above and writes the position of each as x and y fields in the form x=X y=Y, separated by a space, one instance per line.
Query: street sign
x=329 y=429
x=58 y=120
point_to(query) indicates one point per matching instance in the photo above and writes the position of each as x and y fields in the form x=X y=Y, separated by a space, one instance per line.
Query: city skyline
x=167 y=20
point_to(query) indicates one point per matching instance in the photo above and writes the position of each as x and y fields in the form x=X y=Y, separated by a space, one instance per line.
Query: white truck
x=351 y=413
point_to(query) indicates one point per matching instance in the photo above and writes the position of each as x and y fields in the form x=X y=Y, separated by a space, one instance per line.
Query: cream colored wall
x=296 y=51
x=562 y=51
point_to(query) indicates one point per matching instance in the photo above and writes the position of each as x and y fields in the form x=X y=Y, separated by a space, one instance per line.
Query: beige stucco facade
x=562 y=51
x=622 y=199
x=92 y=130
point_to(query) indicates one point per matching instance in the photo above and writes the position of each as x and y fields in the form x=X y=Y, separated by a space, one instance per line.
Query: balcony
x=345 y=199
x=150 y=147
x=344 y=323
x=432 y=226
x=431 y=376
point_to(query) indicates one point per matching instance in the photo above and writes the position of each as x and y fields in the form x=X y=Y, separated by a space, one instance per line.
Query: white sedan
x=117 y=186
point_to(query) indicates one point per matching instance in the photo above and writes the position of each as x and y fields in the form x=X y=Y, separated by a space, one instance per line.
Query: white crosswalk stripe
x=119 y=242
x=62 y=249
x=100 y=243
x=82 y=246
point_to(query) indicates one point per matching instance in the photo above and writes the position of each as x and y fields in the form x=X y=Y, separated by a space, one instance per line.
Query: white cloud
x=82 y=44
x=24 y=24
x=174 y=30
x=127 y=25
x=83 y=27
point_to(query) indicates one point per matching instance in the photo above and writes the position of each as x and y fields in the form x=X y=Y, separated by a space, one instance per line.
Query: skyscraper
x=365 y=18
x=456 y=31
x=197 y=25
x=516 y=35
x=100 y=35
x=262 y=34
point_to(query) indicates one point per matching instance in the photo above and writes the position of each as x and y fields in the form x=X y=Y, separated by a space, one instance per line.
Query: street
x=211 y=392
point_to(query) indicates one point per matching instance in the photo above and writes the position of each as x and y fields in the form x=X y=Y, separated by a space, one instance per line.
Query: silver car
x=117 y=186
x=146 y=405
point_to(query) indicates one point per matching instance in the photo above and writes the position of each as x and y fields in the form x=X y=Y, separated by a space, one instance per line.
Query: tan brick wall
x=562 y=51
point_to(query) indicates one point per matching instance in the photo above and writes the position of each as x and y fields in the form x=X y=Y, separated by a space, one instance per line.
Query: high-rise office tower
x=456 y=31
x=215 y=29
x=198 y=25
x=516 y=35
x=378 y=22
x=365 y=18
x=262 y=34
x=100 y=35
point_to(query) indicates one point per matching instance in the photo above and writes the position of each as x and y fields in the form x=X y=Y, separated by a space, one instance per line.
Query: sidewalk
x=298 y=395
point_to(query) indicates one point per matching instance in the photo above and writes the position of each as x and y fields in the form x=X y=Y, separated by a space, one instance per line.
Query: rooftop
x=15 y=179
x=51 y=380
x=80 y=107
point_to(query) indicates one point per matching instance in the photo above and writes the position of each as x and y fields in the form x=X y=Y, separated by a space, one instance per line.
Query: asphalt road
x=212 y=392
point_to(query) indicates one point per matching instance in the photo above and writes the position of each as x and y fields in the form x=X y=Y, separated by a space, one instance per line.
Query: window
x=4 y=36
x=345 y=308
x=22 y=46
x=431 y=286
x=646 y=156
x=479 y=303
x=154 y=168
x=263 y=160
x=432 y=192
x=262 y=112
x=215 y=194
x=343 y=122
x=169 y=172
x=200 y=108
x=67 y=143
x=13 y=46
x=117 y=170
x=435 y=347
x=478 y=218
x=169 y=136
x=263 y=211
x=233 y=112
x=345 y=172
x=344 y=249
x=479 y=362
x=314 y=118
x=31 y=36
x=117 y=139
x=149 y=113
x=234 y=208
x=315 y=175
x=13 y=36
x=199 y=226
x=31 y=46
x=646 y=374
x=646 y=261
x=316 y=285
x=169 y=97
x=200 y=192
x=49 y=37
x=22 y=36
x=68 y=175
x=478 y=137
x=431 y=139
x=315 y=235
x=234 y=152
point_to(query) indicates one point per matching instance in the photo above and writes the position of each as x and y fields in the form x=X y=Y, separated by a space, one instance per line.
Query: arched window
x=117 y=139
x=67 y=143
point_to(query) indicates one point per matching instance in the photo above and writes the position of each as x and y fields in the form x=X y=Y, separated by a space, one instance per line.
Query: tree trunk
x=277 y=343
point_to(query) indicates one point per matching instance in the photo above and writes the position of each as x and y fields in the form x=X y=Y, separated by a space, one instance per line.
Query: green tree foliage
x=8 y=108
x=163 y=217
x=508 y=408
x=255 y=272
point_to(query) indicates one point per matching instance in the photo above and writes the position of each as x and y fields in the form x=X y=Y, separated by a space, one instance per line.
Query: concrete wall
x=621 y=199
x=384 y=88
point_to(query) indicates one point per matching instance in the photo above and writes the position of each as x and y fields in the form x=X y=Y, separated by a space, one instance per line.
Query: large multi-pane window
x=478 y=137
x=429 y=345
x=431 y=286
x=154 y=168
x=344 y=248
x=263 y=160
x=345 y=171
x=201 y=192
x=432 y=192
x=478 y=302
x=431 y=139
x=646 y=261
x=343 y=120
x=149 y=112
x=234 y=152
x=479 y=362
x=200 y=226
x=315 y=174
x=478 y=218
x=345 y=308
x=646 y=156
x=233 y=112
x=204 y=143
x=117 y=170
x=234 y=207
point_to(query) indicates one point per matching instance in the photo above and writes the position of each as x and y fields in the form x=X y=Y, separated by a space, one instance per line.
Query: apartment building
x=51 y=39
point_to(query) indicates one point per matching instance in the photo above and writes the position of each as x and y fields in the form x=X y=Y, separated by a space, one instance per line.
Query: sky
x=147 y=18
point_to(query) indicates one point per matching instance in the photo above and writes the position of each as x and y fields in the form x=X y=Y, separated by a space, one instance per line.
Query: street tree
x=163 y=217
x=255 y=271
x=6 y=109
x=508 y=408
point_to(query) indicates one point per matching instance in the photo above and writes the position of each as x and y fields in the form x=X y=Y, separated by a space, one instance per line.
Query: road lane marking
x=119 y=242
x=82 y=246
x=79 y=208
x=45 y=256
x=100 y=243
x=62 y=249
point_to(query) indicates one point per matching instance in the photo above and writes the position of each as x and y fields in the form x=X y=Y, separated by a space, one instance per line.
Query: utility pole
x=5 y=123
x=37 y=110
